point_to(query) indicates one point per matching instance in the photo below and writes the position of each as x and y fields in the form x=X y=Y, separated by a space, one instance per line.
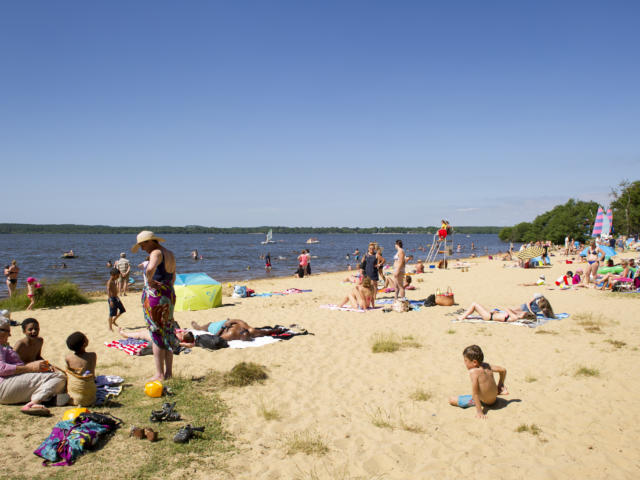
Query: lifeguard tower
x=442 y=244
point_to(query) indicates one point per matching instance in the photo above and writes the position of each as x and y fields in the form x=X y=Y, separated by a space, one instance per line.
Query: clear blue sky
x=345 y=113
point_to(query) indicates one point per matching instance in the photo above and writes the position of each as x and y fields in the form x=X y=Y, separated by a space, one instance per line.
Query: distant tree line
x=6 y=228
x=576 y=218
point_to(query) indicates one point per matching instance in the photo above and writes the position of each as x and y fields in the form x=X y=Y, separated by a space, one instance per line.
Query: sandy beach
x=362 y=404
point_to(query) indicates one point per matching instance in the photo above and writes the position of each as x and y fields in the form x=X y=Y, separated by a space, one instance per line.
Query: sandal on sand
x=136 y=432
x=167 y=414
x=151 y=434
x=36 y=411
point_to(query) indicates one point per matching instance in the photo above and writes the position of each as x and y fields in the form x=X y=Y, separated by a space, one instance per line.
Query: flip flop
x=36 y=411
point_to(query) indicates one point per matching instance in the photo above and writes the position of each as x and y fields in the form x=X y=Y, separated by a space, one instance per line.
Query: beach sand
x=360 y=403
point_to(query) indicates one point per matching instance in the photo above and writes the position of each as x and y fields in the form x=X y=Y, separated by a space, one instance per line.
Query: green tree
x=574 y=219
x=626 y=207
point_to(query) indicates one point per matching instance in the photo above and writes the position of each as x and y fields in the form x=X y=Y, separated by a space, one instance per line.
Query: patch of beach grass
x=410 y=427
x=245 y=373
x=451 y=331
x=420 y=395
x=533 y=429
x=530 y=379
x=592 y=323
x=138 y=458
x=307 y=442
x=540 y=331
x=616 y=343
x=385 y=343
x=410 y=344
x=267 y=412
x=587 y=372
x=381 y=418
x=51 y=295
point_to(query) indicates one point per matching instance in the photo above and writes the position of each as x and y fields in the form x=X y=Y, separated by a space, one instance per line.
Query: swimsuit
x=114 y=305
x=466 y=401
x=214 y=328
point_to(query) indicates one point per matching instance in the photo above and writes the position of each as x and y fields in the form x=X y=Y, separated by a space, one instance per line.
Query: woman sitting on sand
x=361 y=296
x=34 y=382
x=610 y=279
x=538 y=304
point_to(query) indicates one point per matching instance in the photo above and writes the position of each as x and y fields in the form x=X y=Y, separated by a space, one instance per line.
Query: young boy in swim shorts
x=115 y=305
x=483 y=386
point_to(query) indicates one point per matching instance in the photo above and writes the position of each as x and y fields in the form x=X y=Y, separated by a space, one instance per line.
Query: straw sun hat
x=145 y=236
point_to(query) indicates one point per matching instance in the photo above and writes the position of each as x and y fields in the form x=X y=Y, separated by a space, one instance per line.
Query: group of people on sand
x=26 y=377
x=304 y=264
x=363 y=294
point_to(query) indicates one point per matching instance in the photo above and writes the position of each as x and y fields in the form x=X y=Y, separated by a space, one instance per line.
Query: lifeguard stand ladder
x=440 y=247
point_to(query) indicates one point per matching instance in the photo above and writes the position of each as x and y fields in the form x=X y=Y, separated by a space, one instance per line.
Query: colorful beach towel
x=107 y=386
x=541 y=320
x=131 y=346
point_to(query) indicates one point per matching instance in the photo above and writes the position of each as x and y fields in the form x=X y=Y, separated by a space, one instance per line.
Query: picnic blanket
x=131 y=346
x=288 y=291
x=540 y=320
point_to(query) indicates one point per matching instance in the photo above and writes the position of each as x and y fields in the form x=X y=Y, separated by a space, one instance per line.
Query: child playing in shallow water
x=29 y=348
x=483 y=386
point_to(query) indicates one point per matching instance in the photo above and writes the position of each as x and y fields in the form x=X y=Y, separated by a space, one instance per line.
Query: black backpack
x=430 y=301
x=211 y=342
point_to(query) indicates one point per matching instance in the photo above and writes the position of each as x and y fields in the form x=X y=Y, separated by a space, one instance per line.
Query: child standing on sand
x=115 y=305
x=483 y=386
x=32 y=285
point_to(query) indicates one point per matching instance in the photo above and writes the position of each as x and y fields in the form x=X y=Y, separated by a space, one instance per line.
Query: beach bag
x=401 y=306
x=101 y=418
x=444 y=298
x=210 y=342
x=239 y=291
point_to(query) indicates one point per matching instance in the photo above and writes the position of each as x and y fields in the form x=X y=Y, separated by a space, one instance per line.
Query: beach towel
x=288 y=291
x=257 y=342
x=107 y=386
x=540 y=320
x=347 y=308
x=68 y=440
x=81 y=388
x=131 y=346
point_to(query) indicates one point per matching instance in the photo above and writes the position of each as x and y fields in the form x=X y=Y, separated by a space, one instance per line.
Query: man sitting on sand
x=483 y=385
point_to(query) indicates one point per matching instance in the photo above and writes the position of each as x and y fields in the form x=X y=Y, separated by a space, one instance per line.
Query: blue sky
x=349 y=113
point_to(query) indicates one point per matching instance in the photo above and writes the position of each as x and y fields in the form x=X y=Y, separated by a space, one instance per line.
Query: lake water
x=225 y=257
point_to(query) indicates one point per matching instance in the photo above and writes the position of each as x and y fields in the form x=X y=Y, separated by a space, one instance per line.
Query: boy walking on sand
x=115 y=305
x=483 y=385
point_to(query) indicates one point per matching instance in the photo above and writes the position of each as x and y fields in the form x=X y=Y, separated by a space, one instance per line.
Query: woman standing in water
x=399 y=262
x=158 y=300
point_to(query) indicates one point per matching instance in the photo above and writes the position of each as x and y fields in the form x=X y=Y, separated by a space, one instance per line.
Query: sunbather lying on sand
x=500 y=314
x=231 y=329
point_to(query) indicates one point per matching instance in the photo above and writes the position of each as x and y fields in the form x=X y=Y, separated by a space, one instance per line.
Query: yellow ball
x=72 y=413
x=153 y=389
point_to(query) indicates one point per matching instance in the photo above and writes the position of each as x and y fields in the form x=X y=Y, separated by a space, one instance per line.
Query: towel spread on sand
x=131 y=346
x=257 y=342
x=288 y=291
x=347 y=308
x=541 y=320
